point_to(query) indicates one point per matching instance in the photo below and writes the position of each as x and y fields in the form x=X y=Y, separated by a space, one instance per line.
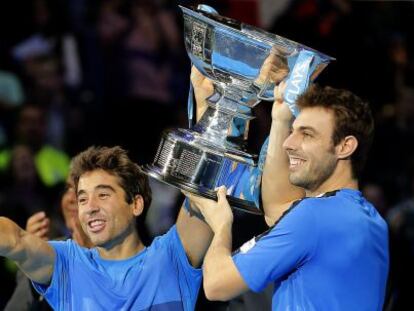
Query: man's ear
x=138 y=205
x=346 y=147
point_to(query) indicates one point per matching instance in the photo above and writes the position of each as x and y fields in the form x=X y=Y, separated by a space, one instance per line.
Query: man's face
x=310 y=149
x=104 y=214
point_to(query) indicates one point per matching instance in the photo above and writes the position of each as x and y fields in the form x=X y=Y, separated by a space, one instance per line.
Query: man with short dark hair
x=120 y=273
x=327 y=247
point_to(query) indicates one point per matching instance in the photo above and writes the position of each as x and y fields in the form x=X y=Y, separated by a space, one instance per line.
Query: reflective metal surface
x=244 y=63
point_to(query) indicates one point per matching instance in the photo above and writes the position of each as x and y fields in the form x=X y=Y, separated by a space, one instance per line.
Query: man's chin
x=298 y=181
x=295 y=179
x=99 y=243
x=97 y=240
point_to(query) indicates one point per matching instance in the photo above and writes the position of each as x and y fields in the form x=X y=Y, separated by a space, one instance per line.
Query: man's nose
x=92 y=205
x=290 y=142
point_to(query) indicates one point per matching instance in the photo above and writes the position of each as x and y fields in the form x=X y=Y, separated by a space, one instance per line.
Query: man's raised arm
x=277 y=191
x=34 y=256
x=194 y=233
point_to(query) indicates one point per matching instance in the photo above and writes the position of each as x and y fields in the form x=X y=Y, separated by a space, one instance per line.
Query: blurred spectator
x=23 y=192
x=11 y=91
x=52 y=165
x=47 y=58
x=147 y=69
x=150 y=48
x=52 y=78
x=11 y=97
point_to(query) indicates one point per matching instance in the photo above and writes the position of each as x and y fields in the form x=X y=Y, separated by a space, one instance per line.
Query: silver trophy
x=244 y=63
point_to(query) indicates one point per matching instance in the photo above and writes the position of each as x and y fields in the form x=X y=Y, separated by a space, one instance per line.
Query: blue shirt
x=326 y=253
x=159 y=277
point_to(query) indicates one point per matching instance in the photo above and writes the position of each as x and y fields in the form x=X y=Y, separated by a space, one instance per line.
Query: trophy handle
x=261 y=96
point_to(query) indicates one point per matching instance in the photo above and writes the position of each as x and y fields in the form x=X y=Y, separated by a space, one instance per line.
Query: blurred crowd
x=75 y=73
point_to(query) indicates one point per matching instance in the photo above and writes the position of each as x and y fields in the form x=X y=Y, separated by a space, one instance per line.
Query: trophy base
x=235 y=203
x=199 y=169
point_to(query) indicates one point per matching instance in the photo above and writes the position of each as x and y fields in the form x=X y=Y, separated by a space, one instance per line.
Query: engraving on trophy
x=188 y=162
x=197 y=41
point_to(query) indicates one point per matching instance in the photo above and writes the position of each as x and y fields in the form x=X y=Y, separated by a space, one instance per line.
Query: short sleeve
x=57 y=290
x=277 y=252
x=191 y=276
x=177 y=249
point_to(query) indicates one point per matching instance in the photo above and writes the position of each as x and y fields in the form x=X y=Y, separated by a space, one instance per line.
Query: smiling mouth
x=295 y=162
x=96 y=225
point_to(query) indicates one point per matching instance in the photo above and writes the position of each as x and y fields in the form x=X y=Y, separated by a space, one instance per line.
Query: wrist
x=222 y=239
x=9 y=236
x=282 y=113
x=284 y=121
x=223 y=228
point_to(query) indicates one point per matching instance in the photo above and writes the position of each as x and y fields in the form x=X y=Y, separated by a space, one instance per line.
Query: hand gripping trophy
x=244 y=63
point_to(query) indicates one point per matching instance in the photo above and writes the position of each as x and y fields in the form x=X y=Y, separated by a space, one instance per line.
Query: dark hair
x=352 y=117
x=115 y=161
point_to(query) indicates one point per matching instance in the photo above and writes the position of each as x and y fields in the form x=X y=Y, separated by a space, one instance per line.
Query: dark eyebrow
x=98 y=187
x=105 y=187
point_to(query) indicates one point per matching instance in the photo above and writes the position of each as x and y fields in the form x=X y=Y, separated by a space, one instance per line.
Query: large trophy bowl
x=244 y=64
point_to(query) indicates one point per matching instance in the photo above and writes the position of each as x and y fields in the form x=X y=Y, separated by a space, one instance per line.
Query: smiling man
x=119 y=273
x=327 y=248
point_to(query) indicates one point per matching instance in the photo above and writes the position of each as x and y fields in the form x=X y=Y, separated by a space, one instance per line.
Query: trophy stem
x=224 y=123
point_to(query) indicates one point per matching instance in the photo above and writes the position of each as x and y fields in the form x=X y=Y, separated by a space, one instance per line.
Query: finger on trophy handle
x=279 y=57
x=277 y=76
x=270 y=65
x=273 y=71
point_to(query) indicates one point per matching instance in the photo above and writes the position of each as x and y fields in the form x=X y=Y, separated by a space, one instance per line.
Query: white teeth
x=295 y=161
x=96 y=223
